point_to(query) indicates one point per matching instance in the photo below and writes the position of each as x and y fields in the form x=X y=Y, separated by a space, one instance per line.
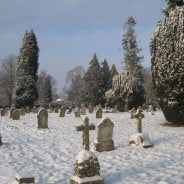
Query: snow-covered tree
x=167 y=59
x=128 y=86
x=26 y=74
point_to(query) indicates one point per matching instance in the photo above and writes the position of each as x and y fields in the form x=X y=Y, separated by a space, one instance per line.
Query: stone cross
x=138 y=115
x=85 y=128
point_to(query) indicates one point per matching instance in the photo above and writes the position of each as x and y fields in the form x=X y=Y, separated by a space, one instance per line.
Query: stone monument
x=139 y=139
x=103 y=141
x=16 y=114
x=42 y=118
x=62 y=112
x=99 y=113
x=86 y=168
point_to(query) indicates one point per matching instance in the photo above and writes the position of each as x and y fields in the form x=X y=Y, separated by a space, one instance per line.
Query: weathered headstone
x=90 y=109
x=16 y=114
x=42 y=118
x=83 y=109
x=22 y=111
x=62 y=112
x=27 y=109
x=3 y=112
x=104 y=141
x=139 y=139
x=69 y=110
x=11 y=110
x=99 y=113
x=77 y=112
x=86 y=168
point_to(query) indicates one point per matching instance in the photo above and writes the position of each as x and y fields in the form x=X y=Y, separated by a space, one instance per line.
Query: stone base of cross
x=86 y=168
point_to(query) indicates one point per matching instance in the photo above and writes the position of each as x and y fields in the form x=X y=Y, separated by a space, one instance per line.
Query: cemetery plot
x=49 y=154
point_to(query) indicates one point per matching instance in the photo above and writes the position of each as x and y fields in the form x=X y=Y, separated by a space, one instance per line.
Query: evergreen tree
x=113 y=72
x=105 y=76
x=167 y=66
x=127 y=88
x=93 y=83
x=26 y=74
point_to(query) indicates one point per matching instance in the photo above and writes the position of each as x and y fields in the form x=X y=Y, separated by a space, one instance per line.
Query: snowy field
x=49 y=155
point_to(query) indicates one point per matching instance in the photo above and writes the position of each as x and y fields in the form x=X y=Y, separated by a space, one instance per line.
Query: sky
x=69 y=32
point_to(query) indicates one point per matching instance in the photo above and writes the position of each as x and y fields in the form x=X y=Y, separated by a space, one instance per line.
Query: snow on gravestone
x=42 y=118
x=139 y=139
x=24 y=178
x=16 y=114
x=86 y=168
x=103 y=141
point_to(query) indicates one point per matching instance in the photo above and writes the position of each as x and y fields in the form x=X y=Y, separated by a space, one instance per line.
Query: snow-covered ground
x=49 y=155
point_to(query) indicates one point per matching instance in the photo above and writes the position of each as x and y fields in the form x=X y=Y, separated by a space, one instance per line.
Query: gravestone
x=42 y=117
x=16 y=114
x=86 y=168
x=3 y=112
x=11 y=110
x=77 y=112
x=139 y=139
x=90 y=109
x=22 y=112
x=99 y=113
x=103 y=141
x=27 y=109
x=24 y=178
x=83 y=109
x=62 y=112
x=69 y=110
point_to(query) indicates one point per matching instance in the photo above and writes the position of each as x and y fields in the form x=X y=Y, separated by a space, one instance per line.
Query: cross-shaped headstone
x=85 y=128
x=138 y=115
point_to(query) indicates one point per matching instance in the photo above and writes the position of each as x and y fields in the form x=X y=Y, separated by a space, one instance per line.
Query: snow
x=49 y=154
x=85 y=155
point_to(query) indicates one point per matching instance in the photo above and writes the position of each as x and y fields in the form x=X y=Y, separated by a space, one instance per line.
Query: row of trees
x=20 y=83
x=89 y=86
x=134 y=82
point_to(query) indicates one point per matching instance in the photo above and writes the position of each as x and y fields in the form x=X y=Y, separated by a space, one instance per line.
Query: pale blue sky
x=69 y=32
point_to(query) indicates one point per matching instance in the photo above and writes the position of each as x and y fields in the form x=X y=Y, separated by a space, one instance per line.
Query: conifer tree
x=26 y=74
x=113 y=72
x=93 y=83
x=167 y=66
x=128 y=88
x=105 y=77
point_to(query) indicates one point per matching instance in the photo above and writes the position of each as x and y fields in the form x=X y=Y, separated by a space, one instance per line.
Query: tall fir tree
x=134 y=92
x=167 y=66
x=93 y=83
x=128 y=87
x=26 y=74
x=105 y=72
